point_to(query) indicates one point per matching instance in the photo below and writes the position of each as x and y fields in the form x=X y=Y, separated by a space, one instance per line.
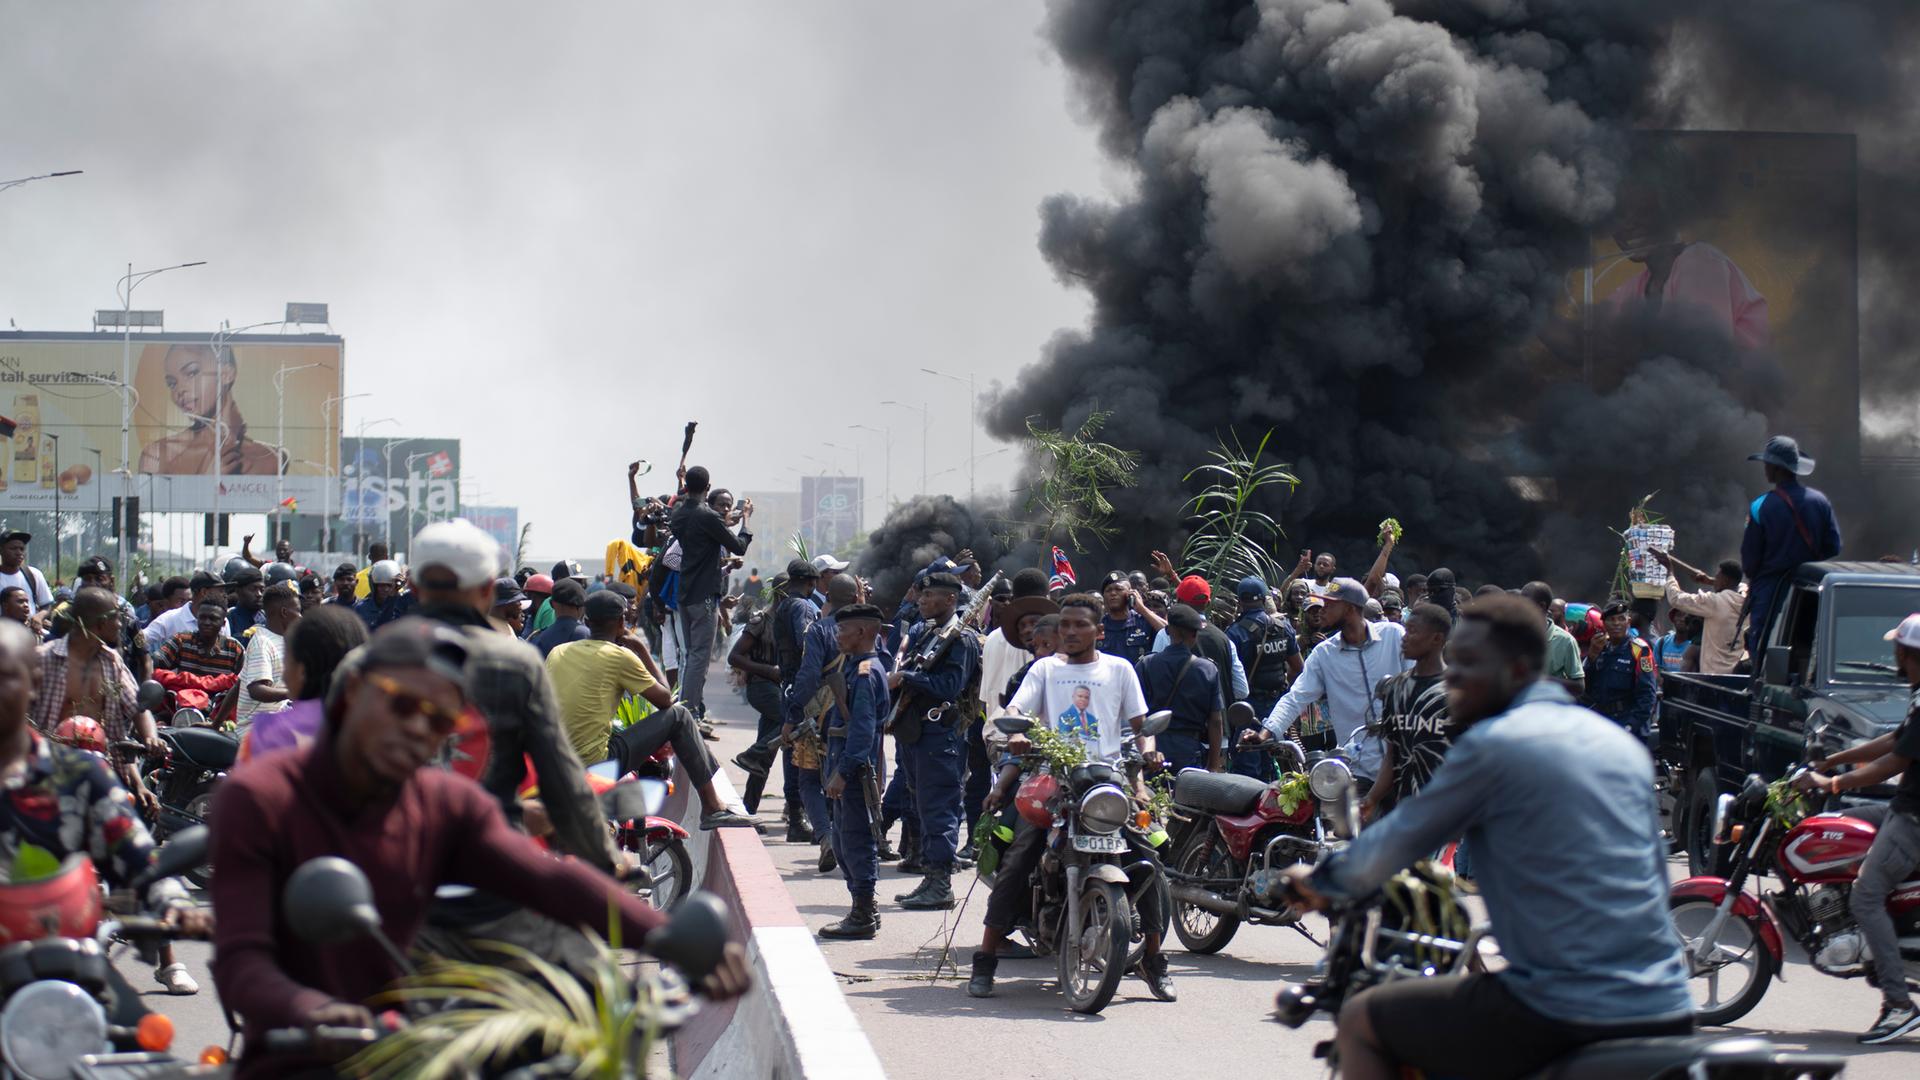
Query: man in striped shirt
x=206 y=653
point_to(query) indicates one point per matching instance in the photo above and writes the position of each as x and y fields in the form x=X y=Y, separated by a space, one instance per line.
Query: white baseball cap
x=1907 y=633
x=460 y=546
x=824 y=563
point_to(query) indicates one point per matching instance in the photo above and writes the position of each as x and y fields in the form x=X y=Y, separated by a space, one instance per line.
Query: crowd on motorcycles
x=1120 y=765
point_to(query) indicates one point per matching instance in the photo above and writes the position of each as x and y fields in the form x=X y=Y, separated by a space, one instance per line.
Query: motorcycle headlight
x=1330 y=779
x=1104 y=809
x=49 y=1025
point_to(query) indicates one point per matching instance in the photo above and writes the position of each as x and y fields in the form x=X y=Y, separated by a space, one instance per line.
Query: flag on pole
x=1062 y=571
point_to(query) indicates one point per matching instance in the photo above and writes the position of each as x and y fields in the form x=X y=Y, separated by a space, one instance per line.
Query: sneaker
x=1897 y=1018
x=727 y=819
x=175 y=978
x=1159 y=979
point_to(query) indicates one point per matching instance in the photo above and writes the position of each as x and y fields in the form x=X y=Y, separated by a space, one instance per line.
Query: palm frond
x=1232 y=538
x=1075 y=472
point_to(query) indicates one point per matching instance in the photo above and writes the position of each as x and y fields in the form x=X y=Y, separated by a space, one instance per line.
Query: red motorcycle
x=1233 y=836
x=1733 y=938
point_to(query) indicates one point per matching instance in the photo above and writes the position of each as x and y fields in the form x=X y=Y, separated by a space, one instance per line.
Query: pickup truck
x=1825 y=681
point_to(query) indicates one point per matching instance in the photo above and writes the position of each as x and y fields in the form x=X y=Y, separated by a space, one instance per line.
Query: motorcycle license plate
x=1104 y=845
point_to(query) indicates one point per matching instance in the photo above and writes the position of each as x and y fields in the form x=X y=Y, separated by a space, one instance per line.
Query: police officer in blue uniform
x=1187 y=684
x=853 y=723
x=1270 y=655
x=931 y=734
x=1620 y=674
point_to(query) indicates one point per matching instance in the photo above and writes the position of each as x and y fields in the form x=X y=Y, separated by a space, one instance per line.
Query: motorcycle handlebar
x=301 y=1040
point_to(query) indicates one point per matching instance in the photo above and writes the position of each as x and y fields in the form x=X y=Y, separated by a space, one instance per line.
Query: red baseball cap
x=1194 y=591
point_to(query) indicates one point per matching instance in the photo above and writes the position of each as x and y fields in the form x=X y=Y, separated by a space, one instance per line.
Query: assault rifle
x=937 y=645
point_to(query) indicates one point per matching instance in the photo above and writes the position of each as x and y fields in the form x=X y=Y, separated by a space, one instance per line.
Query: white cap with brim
x=461 y=547
x=1907 y=633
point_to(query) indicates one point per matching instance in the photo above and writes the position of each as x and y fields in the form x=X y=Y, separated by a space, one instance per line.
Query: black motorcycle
x=1428 y=933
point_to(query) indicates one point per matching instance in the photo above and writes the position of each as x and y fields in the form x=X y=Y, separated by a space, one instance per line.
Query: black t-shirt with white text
x=1413 y=715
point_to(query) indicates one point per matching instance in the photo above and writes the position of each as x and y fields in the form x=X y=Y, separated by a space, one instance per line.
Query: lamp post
x=359 y=534
x=924 y=422
x=5 y=184
x=280 y=443
x=333 y=440
x=55 y=440
x=970 y=421
x=124 y=290
x=99 y=481
x=886 y=482
x=411 y=458
x=385 y=509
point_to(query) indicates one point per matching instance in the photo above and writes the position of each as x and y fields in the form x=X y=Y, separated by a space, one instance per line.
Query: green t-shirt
x=543 y=617
x=1563 y=656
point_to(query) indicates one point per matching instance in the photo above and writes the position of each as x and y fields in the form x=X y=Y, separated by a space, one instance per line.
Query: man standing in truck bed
x=1789 y=525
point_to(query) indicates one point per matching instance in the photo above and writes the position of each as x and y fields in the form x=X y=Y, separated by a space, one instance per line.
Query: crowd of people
x=347 y=694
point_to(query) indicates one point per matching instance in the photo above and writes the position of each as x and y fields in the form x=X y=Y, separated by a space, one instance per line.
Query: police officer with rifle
x=929 y=721
x=858 y=684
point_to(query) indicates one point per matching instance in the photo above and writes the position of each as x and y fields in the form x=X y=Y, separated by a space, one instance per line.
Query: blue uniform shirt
x=867 y=706
x=1620 y=685
x=946 y=680
x=820 y=645
x=1126 y=638
x=1193 y=699
x=1773 y=546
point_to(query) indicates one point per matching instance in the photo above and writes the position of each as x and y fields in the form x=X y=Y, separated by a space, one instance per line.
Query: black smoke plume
x=915 y=534
x=1351 y=222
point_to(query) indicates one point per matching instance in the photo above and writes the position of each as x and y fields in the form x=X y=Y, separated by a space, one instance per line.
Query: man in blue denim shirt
x=1558 y=804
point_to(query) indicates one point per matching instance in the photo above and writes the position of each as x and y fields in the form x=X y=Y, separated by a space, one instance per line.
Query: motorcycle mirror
x=1156 y=723
x=1240 y=715
x=695 y=937
x=633 y=799
x=329 y=902
x=186 y=850
x=150 y=694
x=1013 y=724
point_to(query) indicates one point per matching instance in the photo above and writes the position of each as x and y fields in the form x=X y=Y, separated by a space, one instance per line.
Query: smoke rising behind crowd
x=1354 y=223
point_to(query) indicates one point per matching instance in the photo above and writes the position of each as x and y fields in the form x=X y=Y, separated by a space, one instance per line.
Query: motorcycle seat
x=1219 y=793
x=1668 y=1056
x=205 y=747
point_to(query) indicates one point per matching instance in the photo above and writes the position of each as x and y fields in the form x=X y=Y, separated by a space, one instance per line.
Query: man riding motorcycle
x=64 y=800
x=1896 y=844
x=363 y=791
x=1556 y=803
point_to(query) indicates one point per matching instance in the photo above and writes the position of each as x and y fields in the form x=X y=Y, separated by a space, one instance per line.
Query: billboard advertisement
x=500 y=522
x=202 y=419
x=830 y=511
x=394 y=487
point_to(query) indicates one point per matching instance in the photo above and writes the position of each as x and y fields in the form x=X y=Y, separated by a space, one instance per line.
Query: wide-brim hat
x=1008 y=613
x=1784 y=452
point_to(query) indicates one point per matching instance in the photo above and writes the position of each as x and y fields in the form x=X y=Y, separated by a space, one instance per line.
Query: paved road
x=926 y=1026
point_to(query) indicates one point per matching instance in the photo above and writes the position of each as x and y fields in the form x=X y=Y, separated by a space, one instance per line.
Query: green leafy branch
x=1232 y=539
x=1075 y=472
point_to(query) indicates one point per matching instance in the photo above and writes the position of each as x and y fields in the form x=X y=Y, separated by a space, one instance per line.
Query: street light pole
x=125 y=289
x=333 y=439
x=359 y=534
x=385 y=510
x=99 y=484
x=971 y=424
x=280 y=444
x=411 y=458
x=5 y=184
x=925 y=422
x=55 y=440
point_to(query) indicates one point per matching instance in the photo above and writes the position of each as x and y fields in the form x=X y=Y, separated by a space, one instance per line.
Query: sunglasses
x=405 y=703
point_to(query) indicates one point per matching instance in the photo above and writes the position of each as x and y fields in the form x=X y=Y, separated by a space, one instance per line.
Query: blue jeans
x=813 y=799
x=936 y=768
x=852 y=834
x=1182 y=750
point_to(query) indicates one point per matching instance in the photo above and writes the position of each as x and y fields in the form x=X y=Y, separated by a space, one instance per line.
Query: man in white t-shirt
x=1091 y=696
x=263 y=680
x=15 y=571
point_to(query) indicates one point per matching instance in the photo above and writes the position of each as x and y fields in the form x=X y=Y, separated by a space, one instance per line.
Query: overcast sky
x=557 y=232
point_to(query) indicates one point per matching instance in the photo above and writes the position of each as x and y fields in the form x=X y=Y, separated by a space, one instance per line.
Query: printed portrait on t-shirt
x=1080 y=720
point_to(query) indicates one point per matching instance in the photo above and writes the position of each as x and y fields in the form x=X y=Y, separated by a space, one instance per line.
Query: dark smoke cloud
x=916 y=533
x=1349 y=222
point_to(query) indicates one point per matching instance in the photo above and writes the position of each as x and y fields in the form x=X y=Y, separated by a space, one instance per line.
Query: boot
x=797 y=830
x=882 y=844
x=910 y=849
x=981 y=985
x=827 y=860
x=936 y=896
x=861 y=924
x=914 y=893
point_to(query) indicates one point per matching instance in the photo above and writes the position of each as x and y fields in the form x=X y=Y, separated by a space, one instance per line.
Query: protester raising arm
x=1376 y=578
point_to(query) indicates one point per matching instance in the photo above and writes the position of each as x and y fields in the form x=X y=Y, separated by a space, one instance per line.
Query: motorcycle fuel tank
x=1826 y=847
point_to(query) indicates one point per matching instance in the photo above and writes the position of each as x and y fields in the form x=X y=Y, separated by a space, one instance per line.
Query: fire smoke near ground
x=1349 y=222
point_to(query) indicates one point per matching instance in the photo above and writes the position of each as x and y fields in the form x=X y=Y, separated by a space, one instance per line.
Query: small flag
x=1062 y=571
x=290 y=504
x=440 y=465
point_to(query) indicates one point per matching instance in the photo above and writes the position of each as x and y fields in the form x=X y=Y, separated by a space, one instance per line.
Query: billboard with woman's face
x=246 y=418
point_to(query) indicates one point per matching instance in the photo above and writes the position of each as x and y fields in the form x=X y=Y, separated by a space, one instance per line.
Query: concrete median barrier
x=795 y=1024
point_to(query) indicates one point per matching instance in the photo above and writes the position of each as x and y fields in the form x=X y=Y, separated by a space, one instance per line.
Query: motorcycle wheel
x=666 y=859
x=200 y=806
x=1202 y=931
x=1738 y=954
x=1702 y=858
x=1137 y=941
x=1093 y=962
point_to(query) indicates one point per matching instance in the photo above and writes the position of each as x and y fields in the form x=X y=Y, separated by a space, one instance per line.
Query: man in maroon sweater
x=361 y=792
